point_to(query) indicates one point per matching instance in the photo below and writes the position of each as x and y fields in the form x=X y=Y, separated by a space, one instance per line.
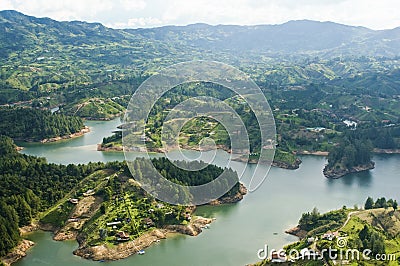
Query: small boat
x=141 y=252
x=158 y=240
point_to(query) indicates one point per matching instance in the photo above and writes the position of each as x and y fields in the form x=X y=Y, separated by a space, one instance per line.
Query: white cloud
x=6 y=5
x=133 y=5
x=143 y=22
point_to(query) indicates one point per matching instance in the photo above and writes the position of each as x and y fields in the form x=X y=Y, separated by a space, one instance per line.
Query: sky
x=373 y=14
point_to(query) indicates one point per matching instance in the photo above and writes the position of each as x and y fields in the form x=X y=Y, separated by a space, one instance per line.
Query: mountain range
x=303 y=37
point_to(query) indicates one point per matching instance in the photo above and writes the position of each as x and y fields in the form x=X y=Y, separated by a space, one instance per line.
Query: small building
x=72 y=220
x=122 y=236
x=147 y=221
x=114 y=223
x=350 y=123
x=188 y=216
x=310 y=240
x=90 y=192
x=330 y=236
x=74 y=201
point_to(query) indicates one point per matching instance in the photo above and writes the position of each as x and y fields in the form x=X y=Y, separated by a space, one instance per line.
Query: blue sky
x=374 y=14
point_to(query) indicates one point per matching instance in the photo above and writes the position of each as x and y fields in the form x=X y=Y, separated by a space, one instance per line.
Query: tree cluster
x=354 y=149
x=380 y=203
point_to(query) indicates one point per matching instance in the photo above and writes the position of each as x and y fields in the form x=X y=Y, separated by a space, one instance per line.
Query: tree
x=395 y=205
x=381 y=203
x=369 y=204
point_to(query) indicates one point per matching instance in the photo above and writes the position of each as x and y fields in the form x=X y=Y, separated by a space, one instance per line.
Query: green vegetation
x=128 y=208
x=29 y=185
x=95 y=108
x=315 y=223
x=377 y=228
x=380 y=203
x=35 y=125
x=33 y=190
x=353 y=150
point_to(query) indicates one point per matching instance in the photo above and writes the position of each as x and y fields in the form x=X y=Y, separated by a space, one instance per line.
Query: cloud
x=89 y=10
x=133 y=5
x=143 y=22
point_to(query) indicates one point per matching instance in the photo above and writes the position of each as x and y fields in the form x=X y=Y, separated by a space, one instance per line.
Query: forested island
x=99 y=204
x=352 y=154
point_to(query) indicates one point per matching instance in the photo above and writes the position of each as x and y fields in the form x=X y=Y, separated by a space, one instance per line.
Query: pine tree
x=369 y=204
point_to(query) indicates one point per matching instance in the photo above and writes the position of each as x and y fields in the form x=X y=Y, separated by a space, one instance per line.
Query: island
x=351 y=155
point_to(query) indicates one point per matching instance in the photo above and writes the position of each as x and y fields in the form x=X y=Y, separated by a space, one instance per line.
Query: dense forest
x=355 y=147
x=29 y=185
x=353 y=150
x=31 y=124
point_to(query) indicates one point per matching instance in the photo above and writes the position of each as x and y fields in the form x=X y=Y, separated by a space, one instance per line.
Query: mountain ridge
x=325 y=39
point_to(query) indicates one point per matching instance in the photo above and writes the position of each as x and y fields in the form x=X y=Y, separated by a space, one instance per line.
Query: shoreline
x=124 y=250
x=386 y=151
x=316 y=153
x=18 y=252
x=279 y=164
x=335 y=174
x=83 y=131
x=297 y=232
x=80 y=133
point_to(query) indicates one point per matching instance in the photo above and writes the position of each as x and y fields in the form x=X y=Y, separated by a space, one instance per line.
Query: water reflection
x=362 y=179
x=212 y=211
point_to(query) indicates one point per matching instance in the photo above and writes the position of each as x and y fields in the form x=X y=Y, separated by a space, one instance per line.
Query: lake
x=240 y=230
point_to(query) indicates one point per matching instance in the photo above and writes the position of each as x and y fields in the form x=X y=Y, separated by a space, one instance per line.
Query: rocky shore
x=317 y=153
x=124 y=250
x=18 y=252
x=386 y=151
x=232 y=199
x=74 y=135
x=286 y=165
x=296 y=231
x=337 y=173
